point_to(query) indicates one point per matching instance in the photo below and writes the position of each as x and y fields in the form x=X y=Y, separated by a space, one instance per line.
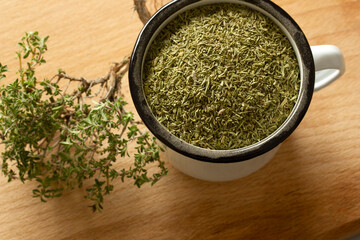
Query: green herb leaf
x=62 y=139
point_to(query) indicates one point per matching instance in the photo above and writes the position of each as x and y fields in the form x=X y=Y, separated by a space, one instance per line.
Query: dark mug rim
x=233 y=155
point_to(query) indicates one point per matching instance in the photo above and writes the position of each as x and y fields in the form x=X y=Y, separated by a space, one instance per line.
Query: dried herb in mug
x=221 y=76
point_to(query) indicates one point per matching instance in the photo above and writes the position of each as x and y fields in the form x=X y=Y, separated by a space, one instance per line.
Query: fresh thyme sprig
x=61 y=139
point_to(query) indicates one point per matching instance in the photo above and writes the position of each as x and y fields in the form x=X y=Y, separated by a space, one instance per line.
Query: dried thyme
x=221 y=76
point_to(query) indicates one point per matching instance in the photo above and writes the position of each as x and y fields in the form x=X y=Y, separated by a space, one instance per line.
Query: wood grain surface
x=310 y=190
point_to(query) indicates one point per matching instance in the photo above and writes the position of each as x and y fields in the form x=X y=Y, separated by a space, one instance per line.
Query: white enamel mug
x=319 y=66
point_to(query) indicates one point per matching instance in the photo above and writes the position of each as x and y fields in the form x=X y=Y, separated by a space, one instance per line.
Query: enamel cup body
x=319 y=66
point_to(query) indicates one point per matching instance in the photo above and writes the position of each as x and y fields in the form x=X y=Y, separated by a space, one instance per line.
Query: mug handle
x=329 y=65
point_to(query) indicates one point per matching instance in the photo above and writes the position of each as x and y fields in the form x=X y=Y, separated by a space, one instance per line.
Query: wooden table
x=310 y=190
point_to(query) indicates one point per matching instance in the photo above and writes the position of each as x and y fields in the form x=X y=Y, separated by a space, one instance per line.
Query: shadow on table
x=352 y=228
x=288 y=198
